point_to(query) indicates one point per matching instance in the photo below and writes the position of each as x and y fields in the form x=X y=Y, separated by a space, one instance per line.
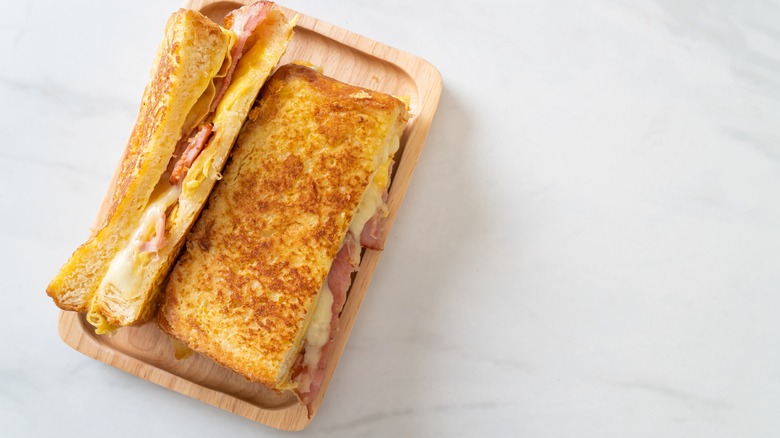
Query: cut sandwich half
x=204 y=81
x=267 y=266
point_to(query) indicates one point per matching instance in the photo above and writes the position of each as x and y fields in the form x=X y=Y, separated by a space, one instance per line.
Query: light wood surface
x=146 y=352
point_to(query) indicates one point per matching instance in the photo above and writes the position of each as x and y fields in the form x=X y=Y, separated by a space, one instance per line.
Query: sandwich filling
x=269 y=263
x=365 y=231
x=149 y=237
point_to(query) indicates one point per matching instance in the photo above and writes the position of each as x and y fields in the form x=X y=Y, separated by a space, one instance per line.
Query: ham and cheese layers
x=204 y=81
x=269 y=263
x=242 y=22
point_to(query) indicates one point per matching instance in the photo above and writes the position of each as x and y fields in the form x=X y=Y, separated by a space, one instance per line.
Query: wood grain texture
x=147 y=353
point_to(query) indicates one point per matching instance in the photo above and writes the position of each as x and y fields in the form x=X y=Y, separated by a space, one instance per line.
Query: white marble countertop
x=590 y=245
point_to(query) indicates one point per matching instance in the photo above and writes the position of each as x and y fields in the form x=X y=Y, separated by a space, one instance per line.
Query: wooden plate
x=147 y=353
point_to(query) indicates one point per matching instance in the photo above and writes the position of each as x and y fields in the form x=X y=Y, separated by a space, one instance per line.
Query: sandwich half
x=267 y=267
x=204 y=80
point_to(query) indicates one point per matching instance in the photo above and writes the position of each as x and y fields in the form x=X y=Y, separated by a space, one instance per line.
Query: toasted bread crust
x=191 y=52
x=256 y=259
x=269 y=42
x=272 y=37
x=191 y=35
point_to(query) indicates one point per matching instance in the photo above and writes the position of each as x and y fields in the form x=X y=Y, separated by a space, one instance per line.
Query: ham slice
x=158 y=241
x=346 y=262
x=242 y=22
x=339 y=279
x=371 y=237
x=195 y=145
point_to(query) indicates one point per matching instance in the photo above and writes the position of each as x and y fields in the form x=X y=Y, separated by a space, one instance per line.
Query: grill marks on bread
x=260 y=252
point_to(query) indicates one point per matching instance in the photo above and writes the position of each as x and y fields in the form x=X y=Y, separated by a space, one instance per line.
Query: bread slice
x=244 y=290
x=191 y=53
x=187 y=63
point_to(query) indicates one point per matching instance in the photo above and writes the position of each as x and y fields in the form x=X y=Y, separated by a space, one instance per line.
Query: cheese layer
x=317 y=332
x=124 y=271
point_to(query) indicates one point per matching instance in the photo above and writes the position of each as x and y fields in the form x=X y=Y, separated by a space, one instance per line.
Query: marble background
x=590 y=245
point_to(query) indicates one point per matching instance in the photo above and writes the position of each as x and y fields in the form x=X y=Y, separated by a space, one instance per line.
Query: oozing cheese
x=317 y=333
x=372 y=198
x=124 y=271
x=371 y=202
x=318 y=329
x=196 y=175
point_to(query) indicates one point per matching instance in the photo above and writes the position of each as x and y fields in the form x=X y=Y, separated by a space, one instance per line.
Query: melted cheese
x=200 y=110
x=372 y=198
x=317 y=334
x=180 y=349
x=197 y=175
x=101 y=324
x=124 y=271
x=371 y=201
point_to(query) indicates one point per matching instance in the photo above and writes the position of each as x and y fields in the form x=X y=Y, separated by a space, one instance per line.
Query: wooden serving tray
x=147 y=353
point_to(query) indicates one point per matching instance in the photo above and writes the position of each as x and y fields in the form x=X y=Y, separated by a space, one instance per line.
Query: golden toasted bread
x=245 y=288
x=191 y=53
x=107 y=276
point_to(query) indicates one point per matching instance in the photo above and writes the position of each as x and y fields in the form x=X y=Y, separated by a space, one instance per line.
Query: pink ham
x=158 y=241
x=346 y=262
x=195 y=145
x=339 y=277
x=339 y=280
x=243 y=22
x=371 y=237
